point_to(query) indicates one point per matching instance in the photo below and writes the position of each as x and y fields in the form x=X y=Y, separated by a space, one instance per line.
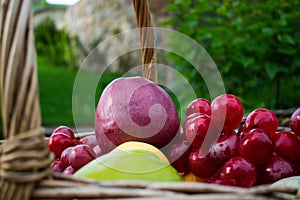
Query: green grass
x=56 y=91
x=56 y=87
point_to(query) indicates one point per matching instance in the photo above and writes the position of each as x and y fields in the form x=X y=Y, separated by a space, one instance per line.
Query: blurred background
x=255 y=44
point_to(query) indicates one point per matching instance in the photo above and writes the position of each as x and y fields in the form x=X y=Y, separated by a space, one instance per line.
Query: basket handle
x=18 y=71
x=143 y=19
x=20 y=166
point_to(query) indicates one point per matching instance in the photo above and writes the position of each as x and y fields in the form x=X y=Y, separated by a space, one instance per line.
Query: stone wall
x=92 y=21
x=57 y=14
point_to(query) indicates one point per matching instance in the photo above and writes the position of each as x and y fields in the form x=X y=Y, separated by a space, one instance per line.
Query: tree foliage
x=255 y=44
x=53 y=44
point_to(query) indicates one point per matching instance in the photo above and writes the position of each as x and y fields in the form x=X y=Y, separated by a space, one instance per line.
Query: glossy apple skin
x=295 y=122
x=152 y=116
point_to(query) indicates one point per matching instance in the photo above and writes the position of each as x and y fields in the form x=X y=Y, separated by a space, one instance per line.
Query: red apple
x=135 y=109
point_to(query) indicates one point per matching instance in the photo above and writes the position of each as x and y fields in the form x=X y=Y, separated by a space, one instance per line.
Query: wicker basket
x=25 y=161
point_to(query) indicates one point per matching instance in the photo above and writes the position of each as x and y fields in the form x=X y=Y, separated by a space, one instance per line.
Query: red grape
x=295 y=122
x=56 y=166
x=215 y=179
x=226 y=147
x=58 y=142
x=178 y=155
x=202 y=166
x=64 y=157
x=256 y=146
x=98 y=151
x=238 y=172
x=241 y=131
x=69 y=170
x=228 y=110
x=199 y=105
x=287 y=145
x=90 y=140
x=195 y=128
x=262 y=118
x=80 y=155
x=275 y=169
x=66 y=130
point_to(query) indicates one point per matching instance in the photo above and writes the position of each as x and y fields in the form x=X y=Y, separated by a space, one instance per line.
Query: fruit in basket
x=287 y=145
x=89 y=140
x=228 y=111
x=129 y=165
x=226 y=147
x=66 y=130
x=80 y=155
x=203 y=166
x=134 y=145
x=238 y=172
x=57 y=166
x=295 y=122
x=178 y=154
x=195 y=128
x=262 y=118
x=247 y=153
x=69 y=170
x=275 y=169
x=64 y=157
x=58 y=142
x=71 y=153
x=256 y=146
x=135 y=109
x=199 y=105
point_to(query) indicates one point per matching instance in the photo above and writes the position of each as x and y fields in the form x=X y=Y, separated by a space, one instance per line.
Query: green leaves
x=254 y=44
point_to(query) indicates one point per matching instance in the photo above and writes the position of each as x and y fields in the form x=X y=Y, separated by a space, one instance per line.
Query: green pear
x=129 y=165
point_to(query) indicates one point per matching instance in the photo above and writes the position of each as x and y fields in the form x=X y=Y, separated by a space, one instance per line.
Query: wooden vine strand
x=25 y=158
x=143 y=19
x=19 y=87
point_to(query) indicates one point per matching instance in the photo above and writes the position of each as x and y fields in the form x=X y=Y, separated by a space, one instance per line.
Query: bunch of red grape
x=244 y=154
x=71 y=153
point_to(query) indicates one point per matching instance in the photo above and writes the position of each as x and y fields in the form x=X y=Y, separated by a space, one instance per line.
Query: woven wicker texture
x=25 y=160
x=24 y=155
